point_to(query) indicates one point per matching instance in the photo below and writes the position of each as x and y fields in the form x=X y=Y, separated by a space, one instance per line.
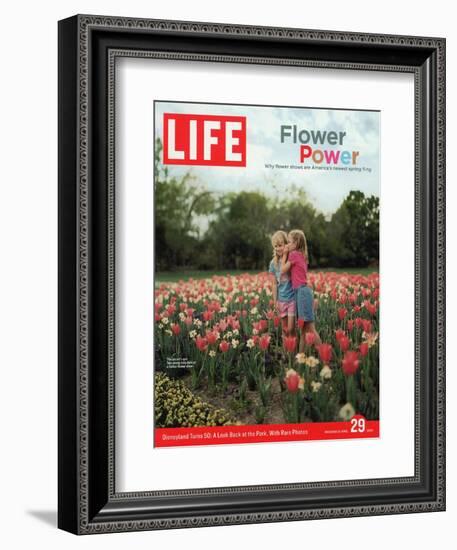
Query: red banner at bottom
x=355 y=428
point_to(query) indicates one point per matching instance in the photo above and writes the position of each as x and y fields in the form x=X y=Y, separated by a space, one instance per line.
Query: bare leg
x=290 y=325
x=309 y=326
x=301 y=345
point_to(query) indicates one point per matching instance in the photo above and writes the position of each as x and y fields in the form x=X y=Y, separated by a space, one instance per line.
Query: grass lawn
x=175 y=276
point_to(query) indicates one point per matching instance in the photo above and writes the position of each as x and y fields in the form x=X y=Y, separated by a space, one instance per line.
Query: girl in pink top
x=295 y=260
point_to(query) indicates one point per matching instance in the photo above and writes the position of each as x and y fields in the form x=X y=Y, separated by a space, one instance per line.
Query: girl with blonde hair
x=283 y=293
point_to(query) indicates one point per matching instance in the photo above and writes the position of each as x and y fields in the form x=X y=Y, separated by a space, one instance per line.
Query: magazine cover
x=266 y=273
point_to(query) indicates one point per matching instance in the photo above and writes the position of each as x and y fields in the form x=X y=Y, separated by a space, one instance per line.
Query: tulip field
x=221 y=357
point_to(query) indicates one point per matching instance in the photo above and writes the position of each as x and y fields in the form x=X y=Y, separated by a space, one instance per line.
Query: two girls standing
x=291 y=295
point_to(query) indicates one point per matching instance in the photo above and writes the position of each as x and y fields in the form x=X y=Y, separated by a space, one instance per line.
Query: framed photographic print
x=251 y=274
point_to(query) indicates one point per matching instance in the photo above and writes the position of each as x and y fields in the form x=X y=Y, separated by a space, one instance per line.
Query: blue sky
x=325 y=189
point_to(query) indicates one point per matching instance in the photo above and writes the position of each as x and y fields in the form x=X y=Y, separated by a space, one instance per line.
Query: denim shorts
x=304 y=302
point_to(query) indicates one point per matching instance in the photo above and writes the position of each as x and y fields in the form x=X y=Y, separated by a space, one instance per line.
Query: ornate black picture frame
x=88 y=46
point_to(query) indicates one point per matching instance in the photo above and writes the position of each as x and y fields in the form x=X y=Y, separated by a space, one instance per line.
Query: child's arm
x=286 y=267
x=274 y=290
x=285 y=264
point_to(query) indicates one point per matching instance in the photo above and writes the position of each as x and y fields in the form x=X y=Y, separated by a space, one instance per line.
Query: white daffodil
x=326 y=372
x=346 y=412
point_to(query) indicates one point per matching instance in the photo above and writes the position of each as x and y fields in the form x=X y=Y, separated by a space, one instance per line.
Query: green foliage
x=177 y=203
x=354 y=231
x=240 y=225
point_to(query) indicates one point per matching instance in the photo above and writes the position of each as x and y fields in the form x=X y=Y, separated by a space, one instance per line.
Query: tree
x=240 y=231
x=354 y=231
x=178 y=201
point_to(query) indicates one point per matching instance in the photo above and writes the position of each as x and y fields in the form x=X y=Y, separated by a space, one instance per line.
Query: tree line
x=196 y=229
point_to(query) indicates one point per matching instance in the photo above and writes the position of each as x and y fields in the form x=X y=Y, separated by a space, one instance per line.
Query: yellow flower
x=311 y=362
x=370 y=339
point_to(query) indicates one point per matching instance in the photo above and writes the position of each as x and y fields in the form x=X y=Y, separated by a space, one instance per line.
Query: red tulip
x=301 y=323
x=201 y=343
x=358 y=322
x=350 y=325
x=293 y=381
x=263 y=325
x=182 y=306
x=344 y=343
x=339 y=334
x=157 y=317
x=270 y=314
x=325 y=352
x=224 y=346
x=290 y=343
x=264 y=342
x=342 y=312
x=310 y=338
x=170 y=310
x=276 y=321
x=366 y=325
x=350 y=363
x=211 y=337
x=208 y=315
x=363 y=349
x=176 y=329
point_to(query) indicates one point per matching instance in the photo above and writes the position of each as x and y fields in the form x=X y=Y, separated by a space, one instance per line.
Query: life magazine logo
x=204 y=140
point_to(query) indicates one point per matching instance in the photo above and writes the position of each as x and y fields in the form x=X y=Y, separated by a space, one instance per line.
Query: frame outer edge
x=83 y=24
x=68 y=312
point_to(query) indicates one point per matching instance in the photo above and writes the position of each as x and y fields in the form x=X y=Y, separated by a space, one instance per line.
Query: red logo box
x=205 y=140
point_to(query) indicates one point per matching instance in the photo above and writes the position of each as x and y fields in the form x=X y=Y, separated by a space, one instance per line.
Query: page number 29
x=358 y=425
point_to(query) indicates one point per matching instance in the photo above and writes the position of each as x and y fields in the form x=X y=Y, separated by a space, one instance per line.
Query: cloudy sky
x=325 y=188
